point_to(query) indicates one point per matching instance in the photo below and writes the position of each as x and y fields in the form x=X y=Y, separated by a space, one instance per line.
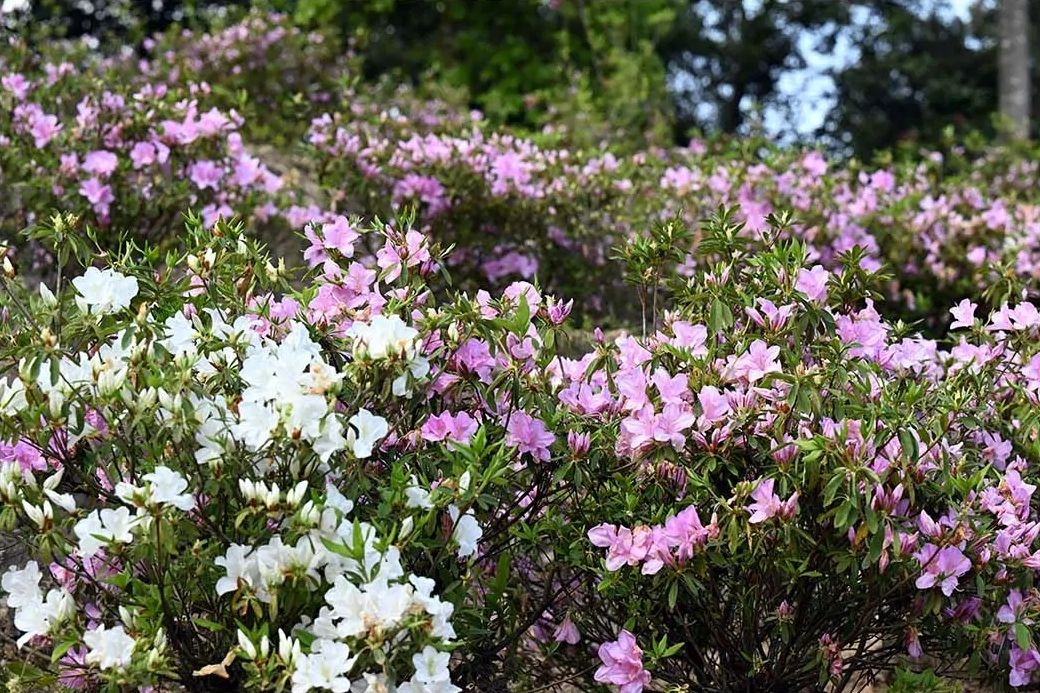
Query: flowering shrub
x=123 y=159
x=218 y=477
x=790 y=490
x=225 y=474
x=520 y=210
x=518 y=206
x=357 y=482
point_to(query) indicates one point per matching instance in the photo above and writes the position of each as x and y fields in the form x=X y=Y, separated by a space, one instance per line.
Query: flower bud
x=295 y=495
x=49 y=299
x=273 y=496
x=407 y=525
x=55 y=401
x=34 y=513
x=65 y=501
x=247 y=647
x=146 y=399
x=310 y=515
x=288 y=648
x=51 y=482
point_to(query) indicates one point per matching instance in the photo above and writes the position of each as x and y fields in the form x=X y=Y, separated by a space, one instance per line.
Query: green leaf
x=1022 y=637
x=212 y=626
x=61 y=648
x=721 y=317
x=832 y=487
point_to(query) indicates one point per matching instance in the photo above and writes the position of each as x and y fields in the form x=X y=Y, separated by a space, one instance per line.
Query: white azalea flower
x=431 y=666
x=167 y=488
x=418 y=497
x=104 y=291
x=256 y=424
x=467 y=531
x=383 y=337
x=39 y=617
x=102 y=527
x=22 y=586
x=366 y=429
x=326 y=667
x=109 y=648
x=181 y=336
x=240 y=566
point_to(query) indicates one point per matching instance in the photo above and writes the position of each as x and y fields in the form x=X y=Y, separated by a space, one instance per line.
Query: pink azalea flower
x=1023 y=664
x=206 y=174
x=963 y=314
x=73 y=670
x=100 y=163
x=28 y=457
x=756 y=363
x=685 y=532
x=768 y=505
x=458 y=428
x=529 y=435
x=340 y=235
x=622 y=664
x=17 y=85
x=714 y=405
x=44 y=128
x=941 y=566
x=143 y=154
x=567 y=632
x=98 y=194
x=813 y=283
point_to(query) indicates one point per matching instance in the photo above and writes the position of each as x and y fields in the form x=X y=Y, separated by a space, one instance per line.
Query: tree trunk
x=1014 y=66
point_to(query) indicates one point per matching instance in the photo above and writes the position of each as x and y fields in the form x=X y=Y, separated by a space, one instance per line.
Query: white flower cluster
x=34 y=614
x=164 y=488
x=289 y=389
x=104 y=291
x=371 y=602
x=388 y=337
x=77 y=378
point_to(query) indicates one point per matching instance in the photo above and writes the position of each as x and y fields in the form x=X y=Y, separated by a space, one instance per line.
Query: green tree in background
x=644 y=72
x=527 y=62
x=726 y=58
x=917 y=73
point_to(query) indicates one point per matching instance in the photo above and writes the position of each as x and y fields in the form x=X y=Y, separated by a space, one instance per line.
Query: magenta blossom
x=623 y=664
x=813 y=283
x=529 y=435
x=458 y=428
x=941 y=566
x=768 y=505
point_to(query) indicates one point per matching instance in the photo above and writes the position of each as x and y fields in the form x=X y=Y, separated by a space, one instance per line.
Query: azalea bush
x=402 y=465
x=791 y=491
x=367 y=483
x=231 y=140
x=219 y=469
x=124 y=159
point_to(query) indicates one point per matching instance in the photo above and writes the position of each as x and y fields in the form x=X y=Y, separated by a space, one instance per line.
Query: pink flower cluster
x=671 y=543
x=622 y=664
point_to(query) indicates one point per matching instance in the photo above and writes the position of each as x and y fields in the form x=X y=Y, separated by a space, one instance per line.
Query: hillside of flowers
x=310 y=384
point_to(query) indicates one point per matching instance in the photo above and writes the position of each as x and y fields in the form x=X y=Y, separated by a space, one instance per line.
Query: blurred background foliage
x=641 y=72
